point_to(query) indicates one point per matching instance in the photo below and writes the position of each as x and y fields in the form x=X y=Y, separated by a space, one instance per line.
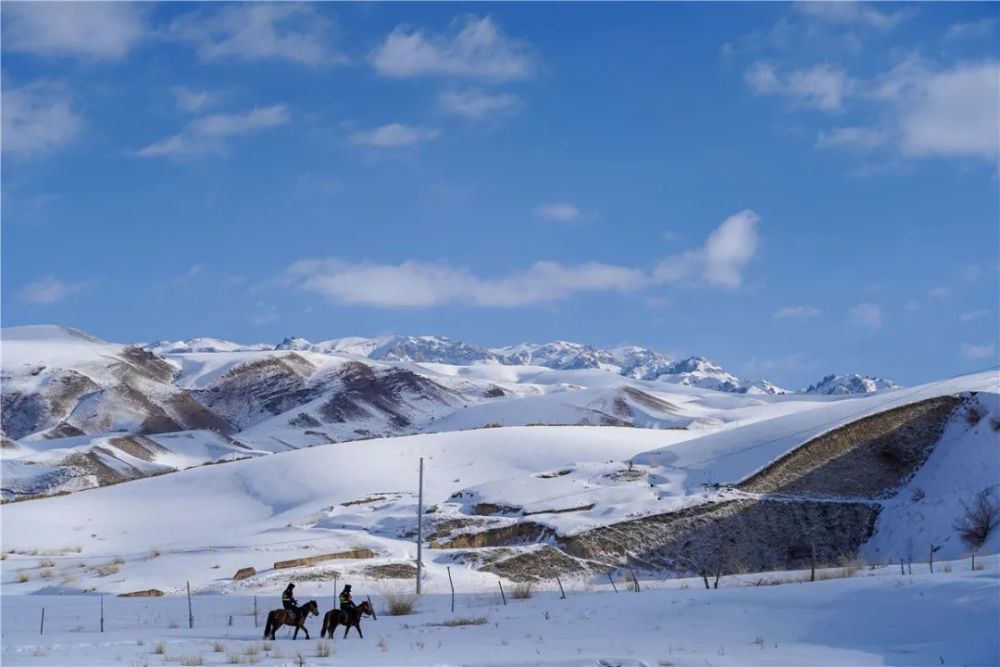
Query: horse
x=337 y=617
x=279 y=617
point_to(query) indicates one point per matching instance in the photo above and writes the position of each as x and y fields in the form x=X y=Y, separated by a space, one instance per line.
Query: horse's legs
x=358 y=626
x=295 y=635
x=305 y=630
x=346 y=630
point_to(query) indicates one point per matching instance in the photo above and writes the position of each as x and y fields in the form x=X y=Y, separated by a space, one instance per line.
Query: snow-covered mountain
x=630 y=361
x=92 y=401
x=833 y=385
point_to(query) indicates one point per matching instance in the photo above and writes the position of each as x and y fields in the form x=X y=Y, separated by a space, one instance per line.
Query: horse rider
x=346 y=603
x=288 y=599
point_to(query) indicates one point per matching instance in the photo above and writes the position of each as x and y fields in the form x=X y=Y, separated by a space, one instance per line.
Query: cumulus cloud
x=973 y=315
x=852 y=13
x=796 y=311
x=88 y=30
x=971 y=30
x=208 y=134
x=394 y=135
x=257 y=31
x=722 y=260
x=973 y=351
x=822 y=87
x=49 y=290
x=474 y=48
x=953 y=112
x=863 y=138
x=420 y=284
x=193 y=100
x=557 y=212
x=479 y=105
x=938 y=293
x=414 y=284
x=867 y=316
x=37 y=118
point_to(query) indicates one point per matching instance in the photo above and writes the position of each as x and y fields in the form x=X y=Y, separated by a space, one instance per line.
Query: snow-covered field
x=876 y=617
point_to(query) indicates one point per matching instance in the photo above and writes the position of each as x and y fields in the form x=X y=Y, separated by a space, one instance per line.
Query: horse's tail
x=326 y=625
x=269 y=626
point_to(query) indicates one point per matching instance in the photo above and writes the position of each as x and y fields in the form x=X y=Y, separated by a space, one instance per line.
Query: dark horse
x=279 y=617
x=348 y=620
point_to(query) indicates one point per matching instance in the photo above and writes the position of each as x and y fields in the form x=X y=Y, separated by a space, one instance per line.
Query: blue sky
x=790 y=190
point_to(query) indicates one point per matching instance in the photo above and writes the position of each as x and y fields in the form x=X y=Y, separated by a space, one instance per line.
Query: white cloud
x=823 y=87
x=973 y=351
x=797 y=311
x=557 y=212
x=971 y=30
x=864 y=138
x=49 y=290
x=938 y=293
x=258 y=31
x=423 y=284
x=954 y=112
x=394 y=135
x=418 y=284
x=478 y=105
x=973 y=315
x=89 y=30
x=475 y=48
x=193 y=100
x=208 y=133
x=721 y=261
x=852 y=13
x=867 y=315
x=37 y=118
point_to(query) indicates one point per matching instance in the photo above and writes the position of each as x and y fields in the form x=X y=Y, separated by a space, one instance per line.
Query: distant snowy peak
x=836 y=385
x=558 y=355
x=193 y=345
x=634 y=362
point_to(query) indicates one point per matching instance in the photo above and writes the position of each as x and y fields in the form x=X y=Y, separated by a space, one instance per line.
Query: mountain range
x=79 y=411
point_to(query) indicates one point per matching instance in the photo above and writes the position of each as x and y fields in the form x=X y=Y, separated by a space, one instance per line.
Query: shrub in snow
x=522 y=590
x=980 y=519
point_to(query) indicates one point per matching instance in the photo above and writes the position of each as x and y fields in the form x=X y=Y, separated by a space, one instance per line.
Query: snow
x=733 y=454
x=876 y=618
x=965 y=461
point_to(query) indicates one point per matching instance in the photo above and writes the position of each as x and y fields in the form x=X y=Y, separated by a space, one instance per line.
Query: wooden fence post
x=255 y=611
x=450 y=583
x=635 y=580
x=502 y=596
x=611 y=579
x=812 y=561
x=41 y=629
x=374 y=615
x=561 y=591
x=190 y=612
x=930 y=559
x=102 y=612
x=901 y=570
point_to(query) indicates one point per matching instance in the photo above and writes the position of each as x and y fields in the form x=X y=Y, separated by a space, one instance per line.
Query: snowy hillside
x=60 y=384
x=526 y=502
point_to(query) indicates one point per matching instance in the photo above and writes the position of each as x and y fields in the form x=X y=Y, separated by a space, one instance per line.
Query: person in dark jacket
x=346 y=603
x=288 y=599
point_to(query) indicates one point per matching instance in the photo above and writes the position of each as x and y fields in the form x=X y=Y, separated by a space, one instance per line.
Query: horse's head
x=311 y=607
x=365 y=608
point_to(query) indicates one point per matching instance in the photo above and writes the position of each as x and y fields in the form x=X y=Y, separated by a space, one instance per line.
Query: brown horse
x=337 y=617
x=279 y=617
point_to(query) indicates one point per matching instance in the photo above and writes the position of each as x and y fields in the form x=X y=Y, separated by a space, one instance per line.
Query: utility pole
x=420 y=524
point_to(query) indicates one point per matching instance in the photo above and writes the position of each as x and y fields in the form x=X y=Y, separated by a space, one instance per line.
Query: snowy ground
x=876 y=617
